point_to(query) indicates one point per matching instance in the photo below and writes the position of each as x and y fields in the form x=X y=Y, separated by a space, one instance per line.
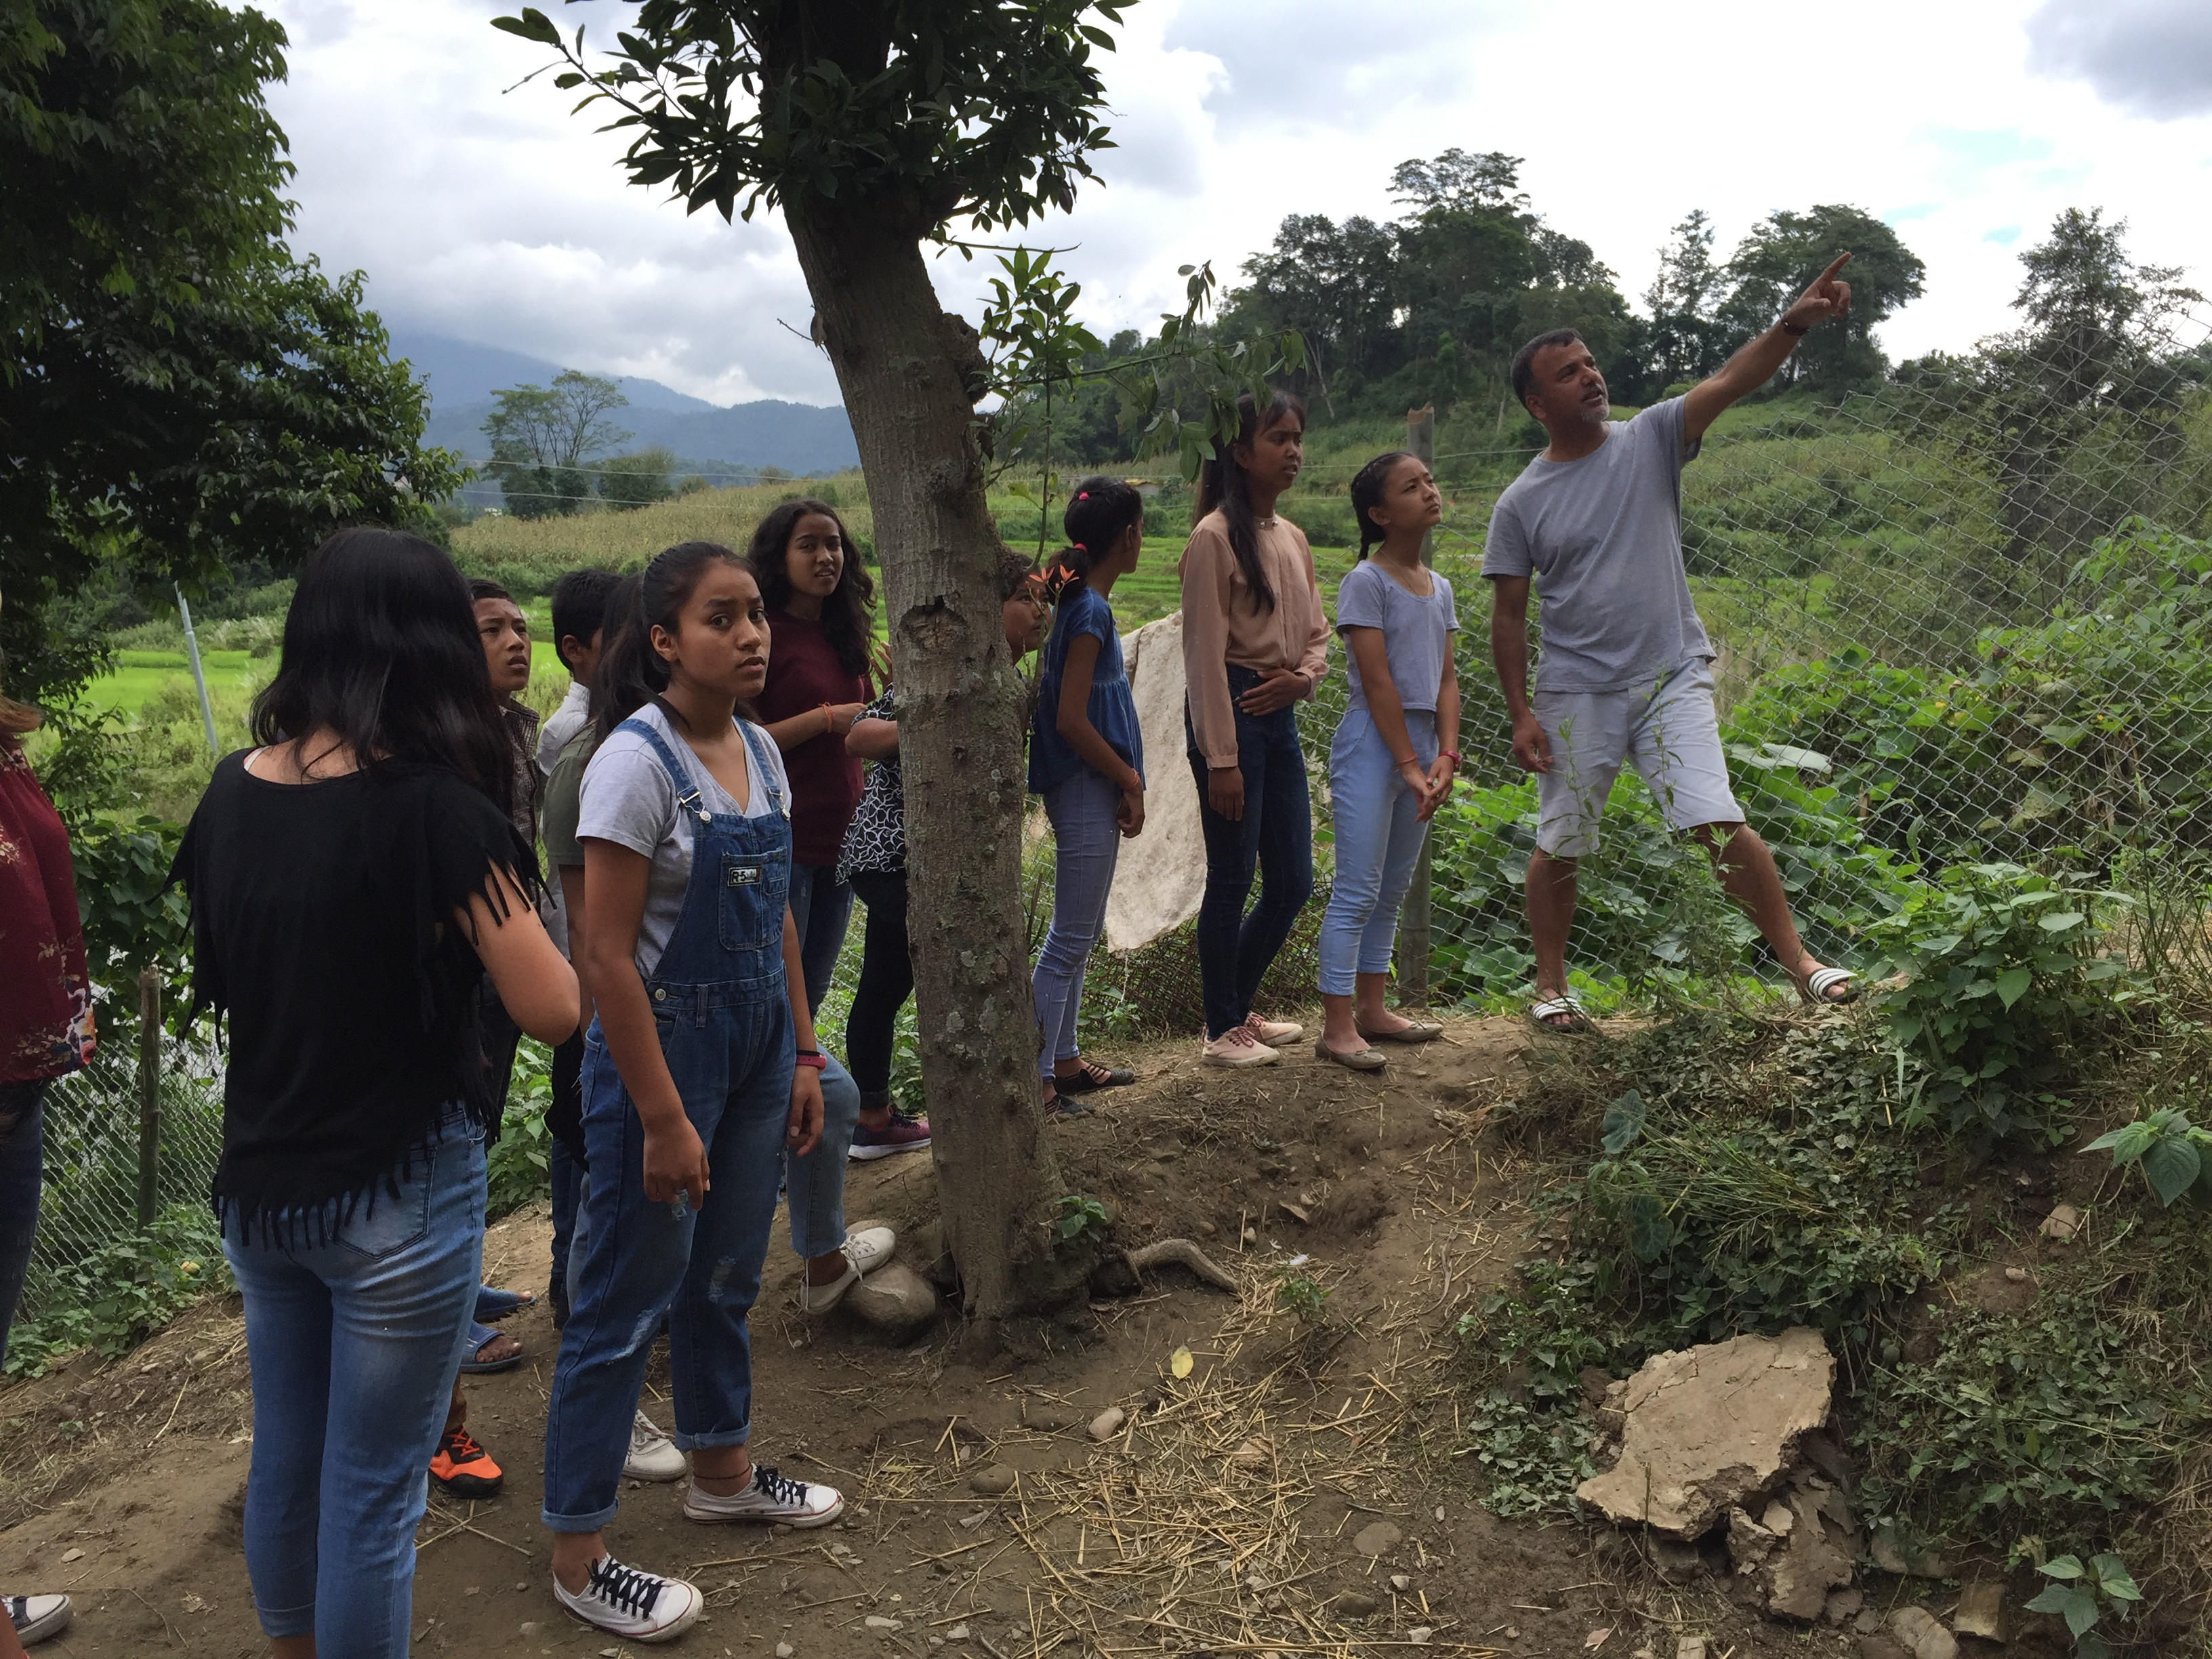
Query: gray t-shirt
x=628 y=799
x=1416 y=632
x=1602 y=537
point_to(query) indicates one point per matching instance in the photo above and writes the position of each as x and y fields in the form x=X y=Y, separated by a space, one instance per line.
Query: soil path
x=1298 y=1492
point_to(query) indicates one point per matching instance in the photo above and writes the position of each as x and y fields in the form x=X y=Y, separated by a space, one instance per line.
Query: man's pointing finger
x=1840 y=261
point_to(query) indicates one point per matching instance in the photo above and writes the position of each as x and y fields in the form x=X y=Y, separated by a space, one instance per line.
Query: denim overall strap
x=728 y=944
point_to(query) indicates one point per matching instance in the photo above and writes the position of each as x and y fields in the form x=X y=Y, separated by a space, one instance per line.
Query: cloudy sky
x=492 y=214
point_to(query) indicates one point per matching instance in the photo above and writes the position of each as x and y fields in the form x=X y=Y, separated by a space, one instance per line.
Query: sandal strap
x=1823 y=980
x=1566 y=1003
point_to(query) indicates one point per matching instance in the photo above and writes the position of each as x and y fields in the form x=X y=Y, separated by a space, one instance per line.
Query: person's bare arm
x=534 y=980
x=1755 y=361
x=873 y=740
x=802 y=1131
x=615 y=880
x=1071 y=720
x=1509 y=652
x=1383 y=708
x=834 y=719
x=1444 y=769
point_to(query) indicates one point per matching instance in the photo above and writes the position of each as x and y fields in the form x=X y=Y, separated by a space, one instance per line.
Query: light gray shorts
x=1669 y=730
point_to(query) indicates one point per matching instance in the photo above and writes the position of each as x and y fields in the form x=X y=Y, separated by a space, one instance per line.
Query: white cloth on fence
x=1161 y=875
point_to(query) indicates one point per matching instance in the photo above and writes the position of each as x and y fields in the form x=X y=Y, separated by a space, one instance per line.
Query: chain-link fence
x=112 y=1168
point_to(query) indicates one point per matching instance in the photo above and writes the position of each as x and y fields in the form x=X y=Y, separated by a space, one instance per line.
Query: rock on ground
x=1702 y=1429
x=1981 y=1611
x=1917 y=1630
x=895 y=1299
x=1802 y=1548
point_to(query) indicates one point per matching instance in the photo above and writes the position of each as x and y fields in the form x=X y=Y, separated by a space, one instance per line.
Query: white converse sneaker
x=1236 y=1047
x=653 y=1454
x=37 y=1617
x=820 y=1298
x=629 y=1601
x=1275 y=1033
x=770 y=1498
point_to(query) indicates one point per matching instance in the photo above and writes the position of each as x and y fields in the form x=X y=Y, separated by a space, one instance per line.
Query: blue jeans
x=567 y=1179
x=21 y=1172
x=1274 y=837
x=354 y=1342
x=1085 y=843
x=633 y=1261
x=821 y=910
x=814 y=1186
x=1378 y=841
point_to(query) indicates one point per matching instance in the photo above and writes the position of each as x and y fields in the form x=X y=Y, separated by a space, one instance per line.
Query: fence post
x=149 y=1091
x=1413 y=917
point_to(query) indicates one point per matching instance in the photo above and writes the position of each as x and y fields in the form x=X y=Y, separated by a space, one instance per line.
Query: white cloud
x=2153 y=57
x=497 y=216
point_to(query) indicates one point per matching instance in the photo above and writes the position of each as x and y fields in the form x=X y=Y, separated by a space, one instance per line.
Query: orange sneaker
x=464 y=1468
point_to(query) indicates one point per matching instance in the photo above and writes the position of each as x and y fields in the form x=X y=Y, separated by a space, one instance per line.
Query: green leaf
x=2062 y=921
x=2012 y=985
x=2172 y=1166
x=1624 y=1121
x=2060 y=1566
x=532 y=25
x=2114 y=1579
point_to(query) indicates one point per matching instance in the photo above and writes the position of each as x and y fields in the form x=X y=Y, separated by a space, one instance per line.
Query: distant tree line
x=548 y=447
x=1430 y=307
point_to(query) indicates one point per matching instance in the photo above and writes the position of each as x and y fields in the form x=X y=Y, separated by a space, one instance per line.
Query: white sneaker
x=653 y=1454
x=37 y=1617
x=770 y=1498
x=820 y=1298
x=1275 y=1033
x=1236 y=1047
x=868 y=1247
x=630 y=1602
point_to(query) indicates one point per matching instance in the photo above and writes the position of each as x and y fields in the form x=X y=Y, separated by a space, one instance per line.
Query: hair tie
x=1082 y=495
x=1078 y=546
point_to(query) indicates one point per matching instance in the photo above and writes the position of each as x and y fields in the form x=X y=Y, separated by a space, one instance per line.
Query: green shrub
x=1999 y=968
x=517 y=1167
x=111 y=1299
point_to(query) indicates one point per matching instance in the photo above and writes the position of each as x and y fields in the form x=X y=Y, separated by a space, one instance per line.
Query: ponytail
x=1367 y=486
x=1222 y=485
x=1099 y=514
x=631 y=673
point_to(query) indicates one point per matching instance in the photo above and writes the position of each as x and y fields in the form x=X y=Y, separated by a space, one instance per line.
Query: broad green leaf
x=2062 y=921
x=2012 y=985
x=2172 y=1166
x=1624 y=1121
x=2060 y=1566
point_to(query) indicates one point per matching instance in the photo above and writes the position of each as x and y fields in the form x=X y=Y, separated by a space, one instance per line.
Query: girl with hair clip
x=352 y=878
x=699 y=1072
x=1087 y=760
x=1393 y=758
x=1254 y=643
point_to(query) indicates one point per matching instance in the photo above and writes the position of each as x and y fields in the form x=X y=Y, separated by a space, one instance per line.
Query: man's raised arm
x=1755 y=361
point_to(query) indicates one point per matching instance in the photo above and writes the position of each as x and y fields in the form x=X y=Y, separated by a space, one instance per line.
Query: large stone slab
x=1705 y=1430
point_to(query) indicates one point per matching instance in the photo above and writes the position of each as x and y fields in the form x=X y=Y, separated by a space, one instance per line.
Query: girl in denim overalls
x=700 y=1070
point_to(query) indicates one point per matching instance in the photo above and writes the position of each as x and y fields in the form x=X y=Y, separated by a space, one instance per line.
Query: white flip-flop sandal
x=1541 y=1014
x=1815 y=987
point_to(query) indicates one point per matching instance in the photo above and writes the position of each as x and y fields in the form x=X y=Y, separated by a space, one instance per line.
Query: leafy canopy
x=932 y=111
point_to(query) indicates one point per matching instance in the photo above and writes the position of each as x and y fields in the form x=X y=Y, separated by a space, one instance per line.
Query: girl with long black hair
x=1255 y=644
x=352 y=878
x=699 y=1072
x=1087 y=760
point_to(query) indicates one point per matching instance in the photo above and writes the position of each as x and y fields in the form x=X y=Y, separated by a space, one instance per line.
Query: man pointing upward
x=1625 y=675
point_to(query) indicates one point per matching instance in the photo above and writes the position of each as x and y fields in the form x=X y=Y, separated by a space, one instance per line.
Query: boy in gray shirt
x=1596 y=524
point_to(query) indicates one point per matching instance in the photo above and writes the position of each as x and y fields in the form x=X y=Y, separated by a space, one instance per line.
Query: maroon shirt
x=46 y=1000
x=803 y=673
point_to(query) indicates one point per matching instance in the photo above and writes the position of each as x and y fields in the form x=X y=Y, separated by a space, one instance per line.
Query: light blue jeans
x=1378 y=841
x=1085 y=844
x=814 y=1186
x=354 y=1335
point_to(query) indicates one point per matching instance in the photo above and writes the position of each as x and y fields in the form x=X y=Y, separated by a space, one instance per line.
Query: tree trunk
x=904 y=368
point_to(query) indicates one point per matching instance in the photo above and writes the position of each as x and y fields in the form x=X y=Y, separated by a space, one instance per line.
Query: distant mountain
x=800 y=438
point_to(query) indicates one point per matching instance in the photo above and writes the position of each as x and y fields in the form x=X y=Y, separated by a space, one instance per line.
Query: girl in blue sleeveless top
x=1087 y=760
x=700 y=1071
